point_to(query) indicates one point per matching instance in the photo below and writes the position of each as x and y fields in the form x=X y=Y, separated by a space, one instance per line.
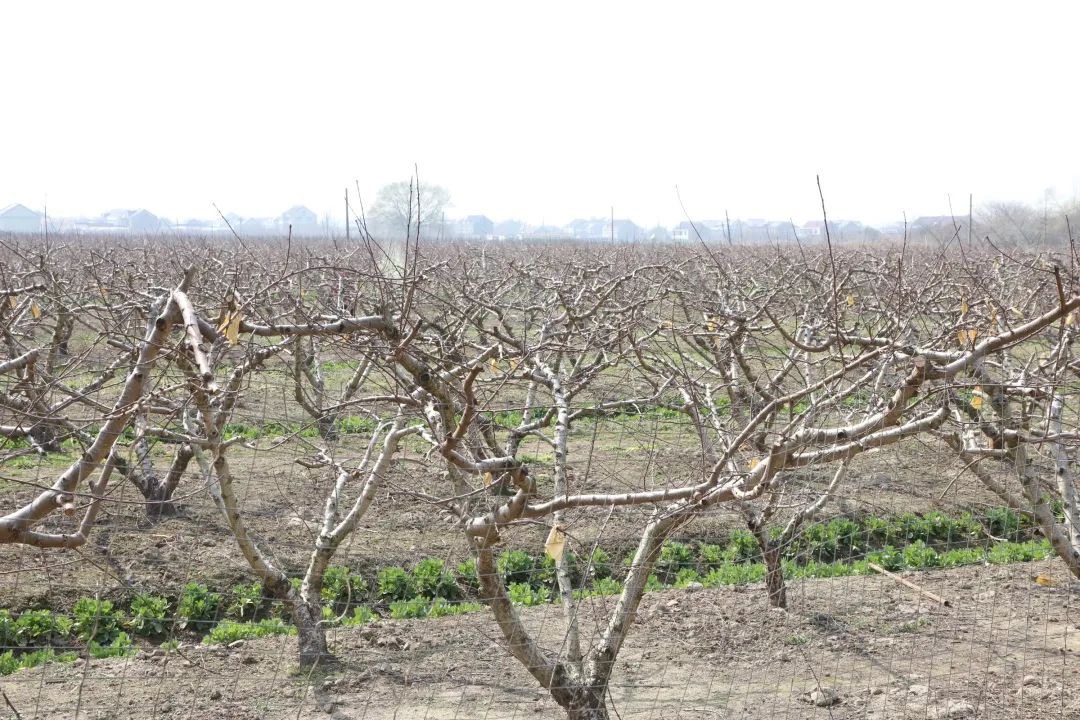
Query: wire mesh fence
x=599 y=488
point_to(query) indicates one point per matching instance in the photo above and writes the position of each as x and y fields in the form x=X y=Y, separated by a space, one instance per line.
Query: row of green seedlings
x=431 y=589
x=847 y=539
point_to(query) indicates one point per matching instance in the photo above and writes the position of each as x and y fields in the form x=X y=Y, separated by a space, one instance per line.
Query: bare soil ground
x=1007 y=648
x=282 y=504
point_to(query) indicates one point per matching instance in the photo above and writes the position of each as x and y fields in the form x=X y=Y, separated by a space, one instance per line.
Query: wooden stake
x=936 y=598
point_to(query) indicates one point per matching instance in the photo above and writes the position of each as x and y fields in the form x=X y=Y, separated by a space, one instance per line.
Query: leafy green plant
x=228 y=631
x=599 y=564
x=515 y=566
x=41 y=627
x=919 y=555
x=8 y=631
x=1002 y=522
x=742 y=547
x=432 y=580
x=396 y=584
x=545 y=575
x=361 y=615
x=686 y=576
x=466 y=576
x=353 y=425
x=710 y=557
x=441 y=607
x=605 y=586
x=198 y=606
x=147 y=615
x=247 y=599
x=119 y=646
x=416 y=607
x=9 y=662
x=887 y=557
x=734 y=574
x=674 y=556
x=340 y=585
x=525 y=594
x=95 y=620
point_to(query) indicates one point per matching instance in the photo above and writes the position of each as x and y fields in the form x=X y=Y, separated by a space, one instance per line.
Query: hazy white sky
x=546 y=111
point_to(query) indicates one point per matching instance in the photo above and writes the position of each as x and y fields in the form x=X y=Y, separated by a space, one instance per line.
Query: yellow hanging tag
x=556 y=542
x=513 y=364
x=1070 y=319
x=993 y=318
x=972 y=334
x=232 y=332
x=488 y=479
x=494 y=365
x=961 y=335
x=976 y=399
x=753 y=464
x=35 y=310
x=851 y=300
x=963 y=308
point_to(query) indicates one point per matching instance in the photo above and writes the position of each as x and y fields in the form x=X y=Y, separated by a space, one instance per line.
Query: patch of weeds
x=515 y=566
x=433 y=580
x=41 y=627
x=247 y=600
x=466 y=576
x=405 y=609
x=441 y=607
x=198 y=607
x=147 y=615
x=914 y=625
x=525 y=594
x=95 y=621
x=228 y=631
x=354 y=425
x=919 y=555
x=395 y=584
x=796 y=640
x=340 y=585
x=742 y=547
x=119 y=647
x=674 y=558
x=361 y=615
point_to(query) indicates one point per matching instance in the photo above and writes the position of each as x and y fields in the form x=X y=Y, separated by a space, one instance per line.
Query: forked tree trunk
x=158 y=491
x=582 y=703
x=310 y=635
x=774 y=575
x=774 y=570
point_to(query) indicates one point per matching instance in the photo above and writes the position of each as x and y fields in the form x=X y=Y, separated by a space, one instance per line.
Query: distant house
x=509 y=229
x=121 y=219
x=582 y=229
x=658 y=234
x=476 y=226
x=545 y=232
x=19 y=218
x=302 y=220
x=691 y=232
x=143 y=221
x=622 y=231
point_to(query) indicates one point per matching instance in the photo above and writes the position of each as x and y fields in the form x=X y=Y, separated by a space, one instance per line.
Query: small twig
x=936 y=598
x=8 y=701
